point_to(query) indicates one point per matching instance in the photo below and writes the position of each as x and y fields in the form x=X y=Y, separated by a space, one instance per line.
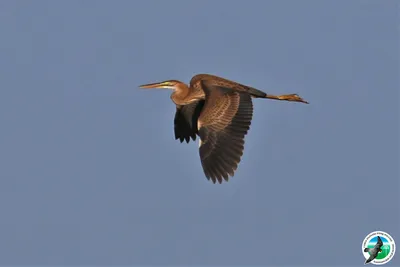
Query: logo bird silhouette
x=373 y=252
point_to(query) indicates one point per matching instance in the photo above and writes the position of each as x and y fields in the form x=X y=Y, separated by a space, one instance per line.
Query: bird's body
x=219 y=111
x=373 y=252
x=184 y=95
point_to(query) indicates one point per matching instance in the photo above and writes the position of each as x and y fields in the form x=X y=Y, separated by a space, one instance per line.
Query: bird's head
x=170 y=84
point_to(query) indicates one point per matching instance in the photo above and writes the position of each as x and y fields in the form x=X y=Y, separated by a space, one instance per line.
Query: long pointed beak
x=152 y=85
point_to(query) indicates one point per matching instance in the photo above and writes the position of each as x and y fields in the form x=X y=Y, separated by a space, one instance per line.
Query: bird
x=219 y=111
x=373 y=252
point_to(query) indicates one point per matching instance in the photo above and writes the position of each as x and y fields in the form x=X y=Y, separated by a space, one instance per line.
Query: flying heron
x=219 y=111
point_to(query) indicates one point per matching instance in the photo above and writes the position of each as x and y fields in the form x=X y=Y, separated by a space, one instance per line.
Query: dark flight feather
x=185 y=122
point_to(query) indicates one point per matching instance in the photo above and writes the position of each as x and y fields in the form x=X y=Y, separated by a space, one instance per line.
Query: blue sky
x=375 y=239
x=91 y=173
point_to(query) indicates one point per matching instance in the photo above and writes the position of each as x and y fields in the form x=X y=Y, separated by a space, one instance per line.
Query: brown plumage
x=219 y=111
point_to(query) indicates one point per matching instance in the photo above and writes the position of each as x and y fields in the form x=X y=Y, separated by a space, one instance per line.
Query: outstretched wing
x=223 y=124
x=379 y=243
x=185 y=121
x=371 y=258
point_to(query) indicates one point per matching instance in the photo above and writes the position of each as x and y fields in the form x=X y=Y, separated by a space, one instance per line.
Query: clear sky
x=91 y=173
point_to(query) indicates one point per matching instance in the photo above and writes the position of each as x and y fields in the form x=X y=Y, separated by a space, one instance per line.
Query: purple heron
x=219 y=111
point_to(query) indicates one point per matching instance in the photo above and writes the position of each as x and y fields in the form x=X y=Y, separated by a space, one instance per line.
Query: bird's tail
x=366 y=249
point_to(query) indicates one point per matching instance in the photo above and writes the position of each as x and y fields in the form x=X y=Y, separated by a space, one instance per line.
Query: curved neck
x=180 y=93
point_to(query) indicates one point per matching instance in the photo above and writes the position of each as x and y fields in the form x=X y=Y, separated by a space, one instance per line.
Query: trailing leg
x=290 y=97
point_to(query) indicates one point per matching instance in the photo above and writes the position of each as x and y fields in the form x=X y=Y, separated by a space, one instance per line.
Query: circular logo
x=378 y=248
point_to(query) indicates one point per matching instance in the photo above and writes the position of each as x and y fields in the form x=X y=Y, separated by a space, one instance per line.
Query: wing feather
x=224 y=122
x=185 y=121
